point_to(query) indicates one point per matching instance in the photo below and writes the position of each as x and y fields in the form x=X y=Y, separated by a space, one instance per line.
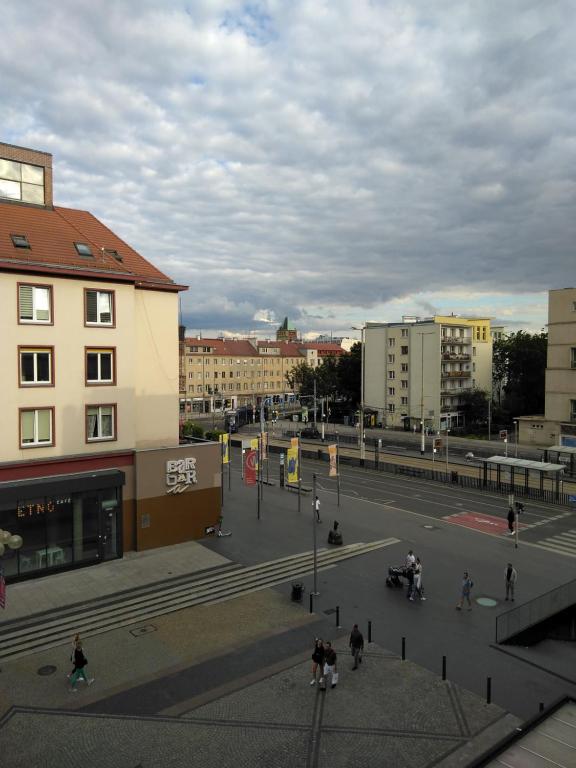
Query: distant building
x=418 y=369
x=557 y=426
x=90 y=461
x=286 y=332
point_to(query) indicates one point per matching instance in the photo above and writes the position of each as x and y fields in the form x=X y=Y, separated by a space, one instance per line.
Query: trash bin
x=320 y=454
x=297 y=590
x=454 y=477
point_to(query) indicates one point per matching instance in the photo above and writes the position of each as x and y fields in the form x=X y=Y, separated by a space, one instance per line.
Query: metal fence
x=529 y=614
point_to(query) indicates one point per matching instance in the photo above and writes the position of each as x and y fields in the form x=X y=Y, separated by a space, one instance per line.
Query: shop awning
x=56 y=485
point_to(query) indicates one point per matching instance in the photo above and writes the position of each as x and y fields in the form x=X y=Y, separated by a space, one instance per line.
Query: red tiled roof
x=324 y=348
x=243 y=347
x=52 y=233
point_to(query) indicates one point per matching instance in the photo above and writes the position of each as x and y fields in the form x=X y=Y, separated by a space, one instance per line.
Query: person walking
x=410 y=577
x=330 y=667
x=467 y=585
x=80 y=662
x=418 y=589
x=510 y=575
x=356 y=645
x=75 y=639
x=317 y=509
x=317 y=660
x=410 y=559
x=511 y=518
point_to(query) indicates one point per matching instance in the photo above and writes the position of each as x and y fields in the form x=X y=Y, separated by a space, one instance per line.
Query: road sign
x=503 y=434
x=437 y=442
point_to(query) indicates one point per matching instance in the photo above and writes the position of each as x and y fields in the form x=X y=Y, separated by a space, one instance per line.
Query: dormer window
x=114 y=253
x=83 y=249
x=20 y=241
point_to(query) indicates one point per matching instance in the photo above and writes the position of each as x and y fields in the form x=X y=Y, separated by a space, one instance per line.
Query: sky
x=333 y=161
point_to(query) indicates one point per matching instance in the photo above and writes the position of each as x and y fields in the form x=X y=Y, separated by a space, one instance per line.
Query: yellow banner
x=225 y=448
x=255 y=446
x=292 y=464
x=332 y=453
x=294 y=442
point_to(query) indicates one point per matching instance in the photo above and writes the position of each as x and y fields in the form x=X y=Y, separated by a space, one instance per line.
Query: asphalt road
x=421 y=514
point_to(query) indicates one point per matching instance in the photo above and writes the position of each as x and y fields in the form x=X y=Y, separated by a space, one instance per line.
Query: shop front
x=65 y=521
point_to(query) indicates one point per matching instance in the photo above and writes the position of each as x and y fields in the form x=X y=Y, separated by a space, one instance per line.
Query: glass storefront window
x=61 y=531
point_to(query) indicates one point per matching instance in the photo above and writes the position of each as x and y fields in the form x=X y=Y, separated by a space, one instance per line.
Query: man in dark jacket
x=356 y=645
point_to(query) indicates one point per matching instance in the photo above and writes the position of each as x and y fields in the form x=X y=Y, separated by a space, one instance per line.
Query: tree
x=474 y=406
x=301 y=379
x=519 y=365
x=350 y=374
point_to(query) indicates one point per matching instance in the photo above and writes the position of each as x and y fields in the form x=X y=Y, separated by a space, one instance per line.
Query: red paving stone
x=480 y=522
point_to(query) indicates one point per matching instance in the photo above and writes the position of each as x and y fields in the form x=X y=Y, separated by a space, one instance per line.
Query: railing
x=455 y=356
x=529 y=614
x=455 y=374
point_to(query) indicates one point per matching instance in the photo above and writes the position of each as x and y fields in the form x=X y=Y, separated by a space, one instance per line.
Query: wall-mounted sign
x=180 y=474
x=40 y=507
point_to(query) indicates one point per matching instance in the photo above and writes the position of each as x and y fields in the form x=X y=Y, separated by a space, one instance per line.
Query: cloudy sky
x=335 y=161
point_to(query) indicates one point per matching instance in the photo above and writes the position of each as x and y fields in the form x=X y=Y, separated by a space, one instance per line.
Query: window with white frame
x=100 y=423
x=391 y=407
x=404 y=367
x=390 y=358
x=35 y=303
x=391 y=390
x=36 y=427
x=100 y=368
x=572 y=410
x=392 y=342
x=99 y=307
x=404 y=400
x=35 y=366
x=573 y=357
x=391 y=375
x=404 y=332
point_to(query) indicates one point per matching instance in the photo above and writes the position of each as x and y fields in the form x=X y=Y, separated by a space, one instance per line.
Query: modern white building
x=417 y=370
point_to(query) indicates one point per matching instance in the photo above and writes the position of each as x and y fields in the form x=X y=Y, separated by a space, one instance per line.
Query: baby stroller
x=395 y=576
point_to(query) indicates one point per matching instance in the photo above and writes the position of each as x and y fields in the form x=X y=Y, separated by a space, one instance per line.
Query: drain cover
x=143 y=630
x=49 y=669
x=487 y=602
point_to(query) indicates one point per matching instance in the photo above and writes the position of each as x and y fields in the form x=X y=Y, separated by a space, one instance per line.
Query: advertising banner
x=294 y=442
x=333 y=465
x=250 y=467
x=264 y=439
x=292 y=456
x=225 y=448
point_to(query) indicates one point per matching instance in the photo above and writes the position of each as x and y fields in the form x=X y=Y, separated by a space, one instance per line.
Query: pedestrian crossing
x=562 y=544
x=41 y=632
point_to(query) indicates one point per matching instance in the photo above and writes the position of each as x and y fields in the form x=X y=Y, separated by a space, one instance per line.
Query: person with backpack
x=467 y=585
x=317 y=660
x=80 y=662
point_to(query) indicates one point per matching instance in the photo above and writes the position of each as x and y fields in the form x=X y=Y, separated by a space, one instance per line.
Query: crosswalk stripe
x=557 y=550
x=27 y=637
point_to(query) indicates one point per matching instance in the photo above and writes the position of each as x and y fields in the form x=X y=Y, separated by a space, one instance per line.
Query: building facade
x=89 y=343
x=558 y=424
x=417 y=370
x=222 y=374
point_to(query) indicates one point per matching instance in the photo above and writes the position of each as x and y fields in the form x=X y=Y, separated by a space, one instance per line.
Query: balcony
x=456 y=340
x=456 y=374
x=455 y=357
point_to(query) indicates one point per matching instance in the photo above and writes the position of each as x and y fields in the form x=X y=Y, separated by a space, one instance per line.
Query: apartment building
x=418 y=369
x=90 y=461
x=229 y=373
x=557 y=426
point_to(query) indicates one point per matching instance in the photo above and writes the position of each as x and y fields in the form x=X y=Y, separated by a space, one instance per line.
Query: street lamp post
x=515 y=438
x=422 y=442
x=362 y=364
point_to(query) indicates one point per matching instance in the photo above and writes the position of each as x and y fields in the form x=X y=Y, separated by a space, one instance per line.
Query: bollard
x=488 y=690
x=443 y=667
x=541 y=707
x=311 y=603
x=403 y=649
x=337 y=615
x=369 y=631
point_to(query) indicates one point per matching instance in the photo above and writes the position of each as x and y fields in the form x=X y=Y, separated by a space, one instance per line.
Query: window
x=573 y=357
x=20 y=241
x=35 y=303
x=474 y=351
x=391 y=407
x=100 y=423
x=572 y=410
x=36 y=366
x=36 y=427
x=391 y=375
x=404 y=332
x=404 y=367
x=404 y=350
x=83 y=249
x=391 y=391
x=391 y=342
x=99 y=307
x=390 y=358
x=199 y=388
x=21 y=181
x=100 y=366
x=404 y=400
x=404 y=383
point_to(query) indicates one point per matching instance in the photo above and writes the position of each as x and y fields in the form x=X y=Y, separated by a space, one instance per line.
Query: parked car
x=310 y=432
